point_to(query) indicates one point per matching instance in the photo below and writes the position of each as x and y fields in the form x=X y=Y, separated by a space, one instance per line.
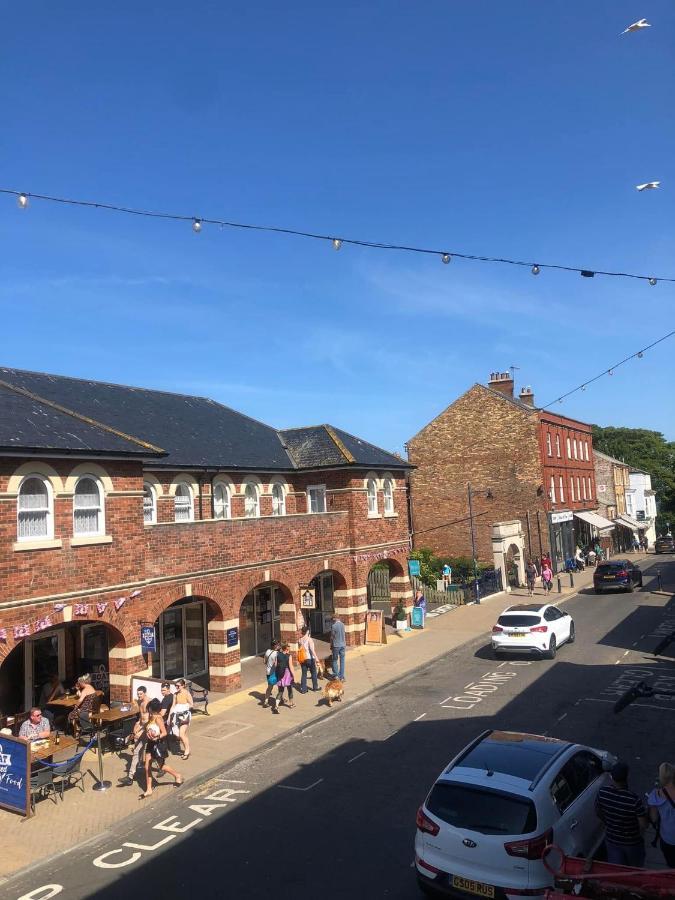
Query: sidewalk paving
x=239 y=726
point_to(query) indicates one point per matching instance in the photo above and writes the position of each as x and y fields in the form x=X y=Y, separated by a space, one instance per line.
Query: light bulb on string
x=337 y=243
x=446 y=258
x=535 y=269
x=652 y=281
x=583 y=387
x=22 y=201
x=640 y=355
x=586 y=273
x=610 y=372
x=196 y=225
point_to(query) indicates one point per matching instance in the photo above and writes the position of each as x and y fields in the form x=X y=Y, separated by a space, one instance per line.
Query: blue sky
x=505 y=129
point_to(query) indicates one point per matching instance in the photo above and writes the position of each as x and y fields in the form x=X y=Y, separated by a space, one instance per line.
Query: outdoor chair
x=42 y=783
x=116 y=739
x=68 y=773
x=199 y=695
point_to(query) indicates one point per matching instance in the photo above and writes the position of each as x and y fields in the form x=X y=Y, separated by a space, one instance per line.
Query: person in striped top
x=625 y=819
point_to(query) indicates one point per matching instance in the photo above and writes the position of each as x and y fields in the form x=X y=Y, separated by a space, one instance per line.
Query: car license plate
x=472 y=887
x=609 y=577
x=517 y=634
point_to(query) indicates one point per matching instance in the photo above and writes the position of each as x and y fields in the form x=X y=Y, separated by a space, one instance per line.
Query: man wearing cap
x=625 y=819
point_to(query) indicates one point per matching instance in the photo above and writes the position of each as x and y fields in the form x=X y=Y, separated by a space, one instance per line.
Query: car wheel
x=552 y=648
x=631 y=587
x=571 y=638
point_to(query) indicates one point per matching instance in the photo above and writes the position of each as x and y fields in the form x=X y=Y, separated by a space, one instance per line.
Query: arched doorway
x=182 y=641
x=327 y=585
x=260 y=618
x=513 y=565
x=67 y=650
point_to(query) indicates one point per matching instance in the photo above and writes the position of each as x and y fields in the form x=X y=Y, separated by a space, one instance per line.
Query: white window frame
x=388 y=496
x=583 y=486
x=320 y=490
x=222 y=508
x=578 y=487
x=148 y=487
x=569 y=448
x=371 y=493
x=573 y=498
x=586 y=450
x=549 y=446
x=557 y=445
x=561 y=488
x=590 y=488
x=251 y=504
x=278 y=499
x=552 y=489
x=48 y=510
x=100 y=529
x=574 y=446
x=191 y=498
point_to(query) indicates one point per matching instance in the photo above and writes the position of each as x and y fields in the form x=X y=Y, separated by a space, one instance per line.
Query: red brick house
x=523 y=463
x=122 y=507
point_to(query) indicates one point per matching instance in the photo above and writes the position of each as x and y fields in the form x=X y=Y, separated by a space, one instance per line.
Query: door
x=172 y=643
x=195 y=640
x=44 y=655
x=574 y=791
x=561 y=624
x=247 y=627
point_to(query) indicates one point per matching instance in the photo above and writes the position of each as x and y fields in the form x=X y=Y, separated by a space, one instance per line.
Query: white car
x=482 y=829
x=532 y=628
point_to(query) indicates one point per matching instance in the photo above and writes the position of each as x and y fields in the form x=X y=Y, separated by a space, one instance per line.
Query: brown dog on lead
x=334 y=690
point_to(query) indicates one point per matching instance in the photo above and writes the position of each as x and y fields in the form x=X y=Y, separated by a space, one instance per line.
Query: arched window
x=35 y=513
x=88 y=506
x=371 y=488
x=251 y=501
x=221 y=501
x=183 y=503
x=149 y=503
x=278 y=499
x=388 y=491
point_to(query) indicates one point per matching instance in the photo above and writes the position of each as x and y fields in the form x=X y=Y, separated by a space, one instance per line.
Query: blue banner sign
x=232 y=637
x=14 y=774
x=417 y=617
x=148 y=639
x=414 y=567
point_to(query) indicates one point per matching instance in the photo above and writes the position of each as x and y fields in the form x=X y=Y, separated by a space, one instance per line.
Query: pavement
x=239 y=729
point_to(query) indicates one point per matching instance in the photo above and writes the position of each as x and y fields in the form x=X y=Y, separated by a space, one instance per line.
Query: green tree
x=649 y=451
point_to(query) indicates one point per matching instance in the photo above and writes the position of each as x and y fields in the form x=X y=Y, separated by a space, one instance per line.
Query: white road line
x=617 y=662
x=354 y=758
x=419 y=717
x=594 y=700
x=288 y=787
x=635 y=644
x=562 y=717
x=446 y=700
x=651 y=706
x=502 y=664
x=232 y=780
x=627 y=652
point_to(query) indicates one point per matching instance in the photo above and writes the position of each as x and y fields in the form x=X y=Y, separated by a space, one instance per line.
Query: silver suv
x=483 y=827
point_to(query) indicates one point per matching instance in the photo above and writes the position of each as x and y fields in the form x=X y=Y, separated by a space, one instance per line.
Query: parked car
x=484 y=825
x=664 y=544
x=532 y=628
x=617 y=574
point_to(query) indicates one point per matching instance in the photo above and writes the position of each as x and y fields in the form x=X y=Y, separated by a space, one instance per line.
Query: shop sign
x=565 y=516
x=414 y=567
x=14 y=774
x=417 y=617
x=232 y=637
x=307 y=598
x=375 y=627
x=148 y=639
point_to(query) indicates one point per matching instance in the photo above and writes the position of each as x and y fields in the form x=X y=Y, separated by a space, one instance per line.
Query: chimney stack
x=527 y=397
x=502 y=382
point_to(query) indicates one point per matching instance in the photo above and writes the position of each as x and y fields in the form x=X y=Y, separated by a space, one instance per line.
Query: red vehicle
x=575 y=877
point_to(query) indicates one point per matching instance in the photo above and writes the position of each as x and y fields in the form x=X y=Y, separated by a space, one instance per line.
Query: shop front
x=67 y=651
x=181 y=642
x=260 y=620
x=590 y=528
x=561 y=531
x=320 y=617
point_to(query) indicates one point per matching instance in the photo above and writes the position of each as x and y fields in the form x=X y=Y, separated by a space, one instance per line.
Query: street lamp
x=489 y=496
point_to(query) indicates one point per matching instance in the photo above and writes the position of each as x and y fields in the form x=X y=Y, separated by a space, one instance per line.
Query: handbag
x=272 y=678
x=303 y=655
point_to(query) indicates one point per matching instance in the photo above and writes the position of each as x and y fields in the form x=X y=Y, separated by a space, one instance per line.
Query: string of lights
x=637 y=355
x=24 y=198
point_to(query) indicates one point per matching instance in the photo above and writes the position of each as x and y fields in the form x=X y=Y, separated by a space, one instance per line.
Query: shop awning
x=594 y=519
x=627 y=522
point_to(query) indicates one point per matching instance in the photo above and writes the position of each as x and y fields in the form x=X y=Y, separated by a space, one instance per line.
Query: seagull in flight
x=647 y=186
x=636 y=26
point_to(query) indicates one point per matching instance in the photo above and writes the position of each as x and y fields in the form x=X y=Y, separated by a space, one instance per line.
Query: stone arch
x=331 y=596
x=155 y=482
x=179 y=479
x=34 y=468
x=508 y=546
x=388 y=583
x=88 y=469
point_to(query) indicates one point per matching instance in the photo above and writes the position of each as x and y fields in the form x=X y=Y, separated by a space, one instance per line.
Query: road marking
x=627 y=652
x=233 y=780
x=651 y=706
x=635 y=644
x=501 y=664
x=592 y=700
x=562 y=717
x=289 y=787
x=354 y=758
x=419 y=717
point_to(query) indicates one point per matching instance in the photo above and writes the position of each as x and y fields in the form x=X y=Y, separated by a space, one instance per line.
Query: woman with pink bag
x=547 y=577
x=285 y=676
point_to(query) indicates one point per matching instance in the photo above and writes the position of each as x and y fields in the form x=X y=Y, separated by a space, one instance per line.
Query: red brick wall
x=491 y=443
x=566 y=466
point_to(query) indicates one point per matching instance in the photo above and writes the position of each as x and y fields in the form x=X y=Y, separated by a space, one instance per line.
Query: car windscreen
x=515 y=621
x=609 y=567
x=482 y=809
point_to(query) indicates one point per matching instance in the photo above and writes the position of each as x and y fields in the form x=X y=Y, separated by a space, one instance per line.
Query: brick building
x=523 y=463
x=122 y=507
x=612 y=477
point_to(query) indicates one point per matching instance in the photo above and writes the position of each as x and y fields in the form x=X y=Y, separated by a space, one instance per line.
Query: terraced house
x=122 y=508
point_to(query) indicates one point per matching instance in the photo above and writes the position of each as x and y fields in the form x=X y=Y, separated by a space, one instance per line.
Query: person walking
x=137 y=737
x=182 y=713
x=156 y=749
x=285 y=676
x=530 y=576
x=338 y=644
x=270 y=660
x=420 y=600
x=547 y=578
x=661 y=811
x=625 y=819
x=307 y=659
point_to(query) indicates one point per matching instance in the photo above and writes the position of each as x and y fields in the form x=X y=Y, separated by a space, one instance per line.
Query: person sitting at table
x=85 y=698
x=36 y=726
x=52 y=689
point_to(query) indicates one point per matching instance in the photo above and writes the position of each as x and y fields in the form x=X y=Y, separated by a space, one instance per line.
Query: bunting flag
x=59 y=607
x=21 y=631
x=119 y=603
x=384 y=554
x=134 y=594
x=41 y=624
x=81 y=609
x=3 y=634
x=101 y=608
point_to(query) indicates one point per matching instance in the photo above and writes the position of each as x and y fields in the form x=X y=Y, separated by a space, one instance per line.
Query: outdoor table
x=48 y=750
x=67 y=702
x=118 y=714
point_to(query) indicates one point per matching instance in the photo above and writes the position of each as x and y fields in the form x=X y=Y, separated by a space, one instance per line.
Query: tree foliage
x=649 y=451
x=431 y=566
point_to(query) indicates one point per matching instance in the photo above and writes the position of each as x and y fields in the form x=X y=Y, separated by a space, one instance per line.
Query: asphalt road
x=329 y=812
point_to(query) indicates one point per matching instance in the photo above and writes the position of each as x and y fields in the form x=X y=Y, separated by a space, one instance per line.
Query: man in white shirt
x=36 y=726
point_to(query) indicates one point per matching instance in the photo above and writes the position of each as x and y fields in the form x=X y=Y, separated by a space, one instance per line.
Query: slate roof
x=175 y=430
